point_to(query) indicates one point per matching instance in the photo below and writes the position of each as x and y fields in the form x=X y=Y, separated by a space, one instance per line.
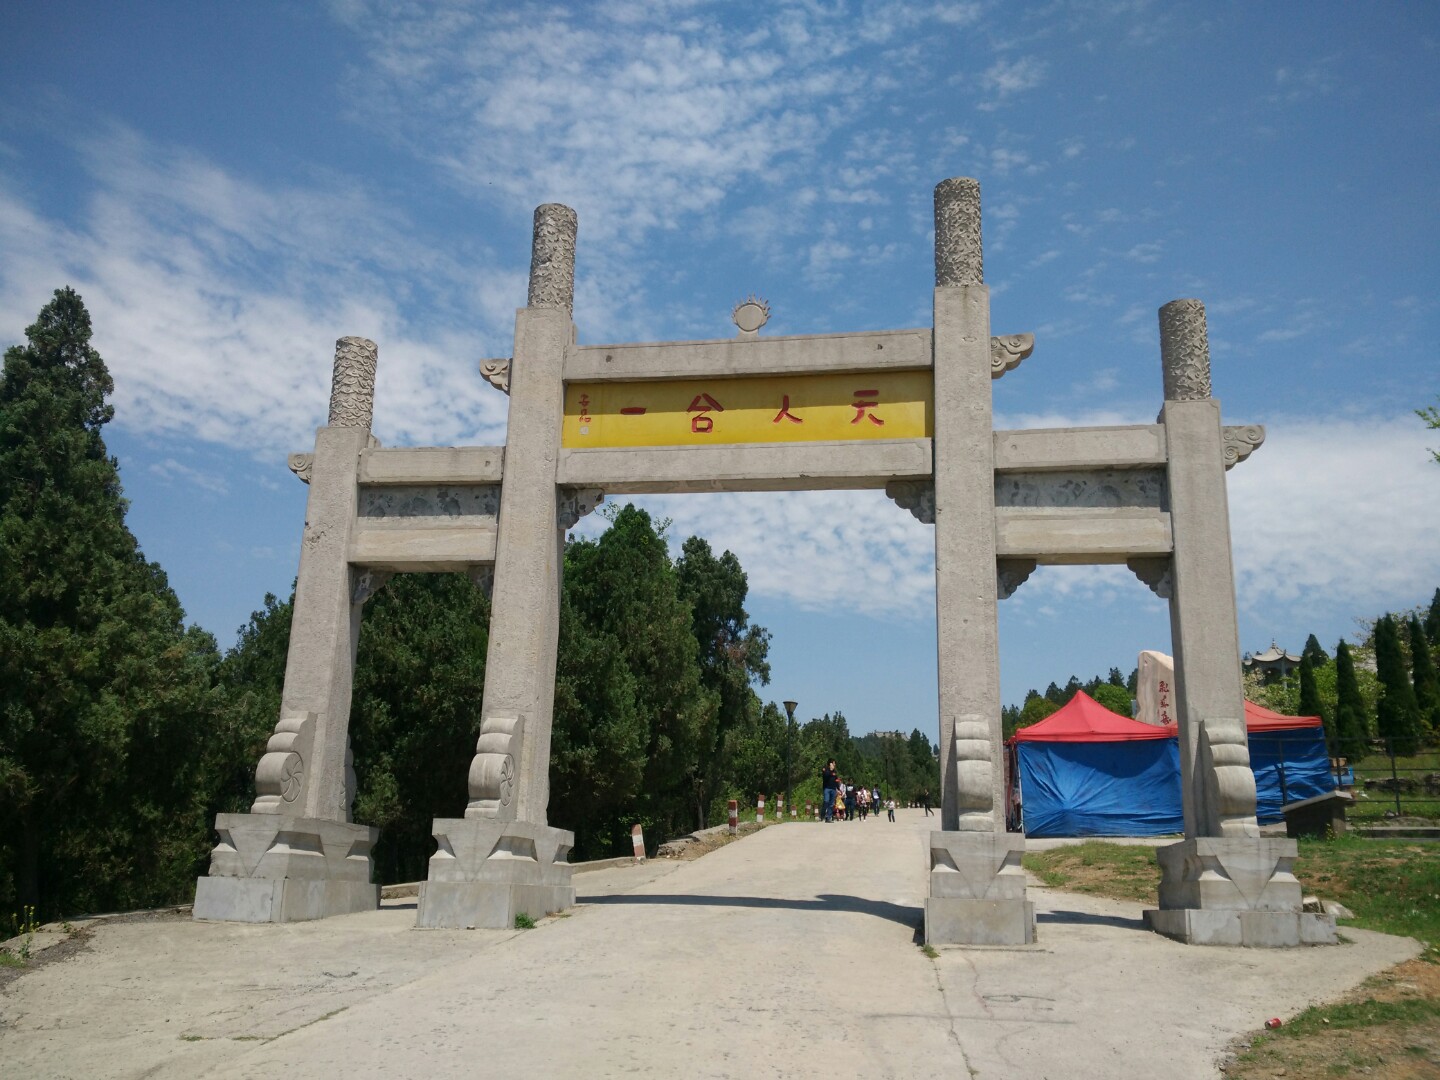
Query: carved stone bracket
x=1010 y=574
x=280 y=776
x=1007 y=352
x=1240 y=443
x=300 y=465
x=1225 y=758
x=368 y=583
x=492 y=772
x=482 y=576
x=497 y=373
x=1154 y=572
x=574 y=504
x=973 y=771
x=917 y=496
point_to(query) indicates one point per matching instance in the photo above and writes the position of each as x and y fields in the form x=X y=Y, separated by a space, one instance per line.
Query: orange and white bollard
x=793 y=815
x=637 y=837
x=760 y=810
x=734 y=816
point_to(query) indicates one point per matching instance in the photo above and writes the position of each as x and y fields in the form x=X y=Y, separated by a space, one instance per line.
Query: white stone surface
x=801 y=354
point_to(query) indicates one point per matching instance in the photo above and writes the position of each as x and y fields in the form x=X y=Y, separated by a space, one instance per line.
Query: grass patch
x=11 y=960
x=524 y=922
x=1118 y=871
x=1391 y=885
x=930 y=951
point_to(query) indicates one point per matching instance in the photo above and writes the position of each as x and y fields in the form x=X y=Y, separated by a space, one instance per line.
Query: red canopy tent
x=1083 y=719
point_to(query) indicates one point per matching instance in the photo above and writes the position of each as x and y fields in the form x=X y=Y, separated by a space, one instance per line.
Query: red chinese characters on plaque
x=701 y=406
x=865 y=401
x=785 y=412
x=1165 y=703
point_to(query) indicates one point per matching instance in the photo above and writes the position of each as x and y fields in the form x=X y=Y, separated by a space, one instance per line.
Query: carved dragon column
x=296 y=855
x=502 y=858
x=1224 y=884
x=977 y=888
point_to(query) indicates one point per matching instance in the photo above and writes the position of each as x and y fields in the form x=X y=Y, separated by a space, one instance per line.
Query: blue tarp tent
x=1289 y=758
x=1086 y=771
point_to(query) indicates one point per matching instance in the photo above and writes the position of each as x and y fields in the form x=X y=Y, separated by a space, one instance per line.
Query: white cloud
x=217 y=303
x=1006 y=78
x=169 y=470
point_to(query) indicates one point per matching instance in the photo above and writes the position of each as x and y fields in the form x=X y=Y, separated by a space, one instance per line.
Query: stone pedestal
x=977 y=890
x=276 y=868
x=488 y=871
x=1234 y=891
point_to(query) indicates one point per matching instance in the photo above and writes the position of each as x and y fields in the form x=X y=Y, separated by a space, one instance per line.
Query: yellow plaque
x=766 y=409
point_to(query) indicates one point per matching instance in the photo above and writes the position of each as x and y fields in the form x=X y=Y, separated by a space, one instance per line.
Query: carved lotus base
x=1235 y=891
x=487 y=871
x=977 y=890
x=273 y=868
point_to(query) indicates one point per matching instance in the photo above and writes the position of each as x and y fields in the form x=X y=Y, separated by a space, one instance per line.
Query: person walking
x=925 y=802
x=890 y=808
x=849 y=802
x=829 y=782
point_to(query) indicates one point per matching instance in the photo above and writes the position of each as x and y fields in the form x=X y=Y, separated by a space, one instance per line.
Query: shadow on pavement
x=1085 y=918
x=883 y=909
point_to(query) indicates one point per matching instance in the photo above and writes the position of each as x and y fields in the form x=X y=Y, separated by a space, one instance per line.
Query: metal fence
x=1390 y=789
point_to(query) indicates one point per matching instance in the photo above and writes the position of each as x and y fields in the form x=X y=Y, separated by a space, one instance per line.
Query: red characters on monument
x=785 y=412
x=701 y=423
x=865 y=401
x=584 y=408
x=1164 y=702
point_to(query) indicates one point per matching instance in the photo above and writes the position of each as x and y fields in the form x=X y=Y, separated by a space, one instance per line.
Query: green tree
x=1350 y=735
x=1427 y=685
x=1115 y=698
x=1431 y=415
x=1432 y=620
x=624 y=585
x=1397 y=717
x=1115 y=678
x=1315 y=652
x=105 y=697
x=1310 y=703
x=731 y=653
x=1036 y=708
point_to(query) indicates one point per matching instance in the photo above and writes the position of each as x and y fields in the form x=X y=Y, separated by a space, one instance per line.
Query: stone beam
x=423 y=549
x=1081 y=535
x=432 y=465
x=753 y=467
x=1131 y=447
x=732 y=357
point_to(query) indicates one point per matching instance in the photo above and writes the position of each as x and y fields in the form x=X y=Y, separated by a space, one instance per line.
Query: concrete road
x=792 y=953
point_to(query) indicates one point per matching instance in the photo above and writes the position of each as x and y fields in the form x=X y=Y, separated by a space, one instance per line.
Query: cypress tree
x=1310 y=704
x=1432 y=620
x=1351 y=729
x=1318 y=656
x=1427 y=685
x=1397 y=717
x=105 y=698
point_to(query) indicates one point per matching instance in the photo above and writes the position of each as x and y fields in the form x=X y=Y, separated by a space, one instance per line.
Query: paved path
x=792 y=953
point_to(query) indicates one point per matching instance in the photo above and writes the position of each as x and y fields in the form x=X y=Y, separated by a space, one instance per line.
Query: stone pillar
x=296 y=855
x=977 y=888
x=1224 y=884
x=502 y=859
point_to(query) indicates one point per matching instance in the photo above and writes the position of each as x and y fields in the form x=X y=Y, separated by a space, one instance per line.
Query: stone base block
x=952 y=921
x=487 y=905
x=1251 y=929
x=279 y=900
x=487 y=871
x=276 y=868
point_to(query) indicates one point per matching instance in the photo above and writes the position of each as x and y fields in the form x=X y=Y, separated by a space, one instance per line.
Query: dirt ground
x=1388 y=1051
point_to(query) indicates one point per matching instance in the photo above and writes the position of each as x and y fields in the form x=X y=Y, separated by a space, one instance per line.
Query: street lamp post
x=789 y=747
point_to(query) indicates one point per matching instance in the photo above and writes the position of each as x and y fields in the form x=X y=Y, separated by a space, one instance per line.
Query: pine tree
x=1397 y=717
x=1432 y=620
x=1317 y=654
x=1350 y=734
x=1427 y=684
x=1309 y=692
x=105 y=698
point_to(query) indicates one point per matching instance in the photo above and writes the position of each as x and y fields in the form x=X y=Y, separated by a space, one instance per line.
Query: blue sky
x=232 y=187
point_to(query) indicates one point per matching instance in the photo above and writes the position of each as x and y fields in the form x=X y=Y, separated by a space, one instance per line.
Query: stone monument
x=908 y=411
